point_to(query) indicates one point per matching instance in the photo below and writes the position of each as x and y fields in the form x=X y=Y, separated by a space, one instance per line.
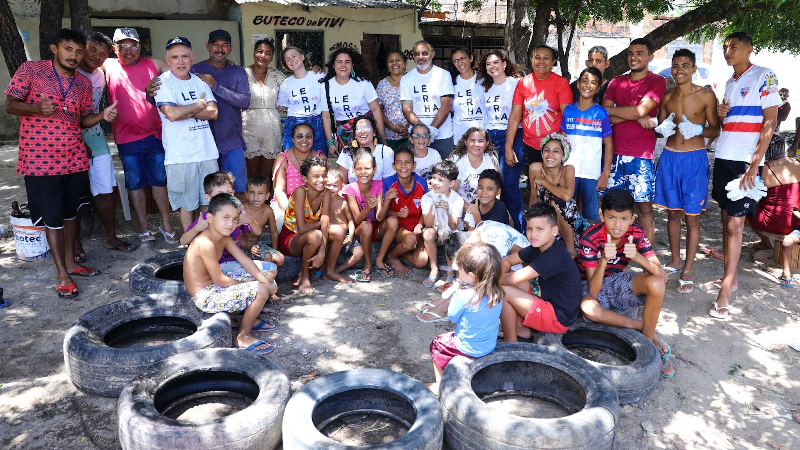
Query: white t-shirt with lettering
x=349 y=100
x=425 y=92
x=498 y=104
x=304 y=97
x=188 y=140
x=467 y=106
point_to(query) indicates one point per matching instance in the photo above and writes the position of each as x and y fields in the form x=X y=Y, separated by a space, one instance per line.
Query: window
x=311 y=42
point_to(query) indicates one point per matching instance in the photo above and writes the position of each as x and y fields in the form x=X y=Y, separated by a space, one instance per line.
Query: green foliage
x=428 y=5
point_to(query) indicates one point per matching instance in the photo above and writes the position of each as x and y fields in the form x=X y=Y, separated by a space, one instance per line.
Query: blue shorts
x=316 y=125
x=635 y=175
x=143 y=162
x=682 y=180
x=586 y=189
x=232 y=161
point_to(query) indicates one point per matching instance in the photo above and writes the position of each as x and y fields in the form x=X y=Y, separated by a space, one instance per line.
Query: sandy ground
x=732 y=378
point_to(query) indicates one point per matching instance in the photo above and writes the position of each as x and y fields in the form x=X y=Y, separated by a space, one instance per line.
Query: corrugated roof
x=397 y=4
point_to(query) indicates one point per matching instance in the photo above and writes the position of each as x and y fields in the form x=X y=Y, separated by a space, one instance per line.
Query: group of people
x=428 y=158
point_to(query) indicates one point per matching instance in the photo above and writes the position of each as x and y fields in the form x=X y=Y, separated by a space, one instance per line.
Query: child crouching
x=474 y=307
x=213 y=291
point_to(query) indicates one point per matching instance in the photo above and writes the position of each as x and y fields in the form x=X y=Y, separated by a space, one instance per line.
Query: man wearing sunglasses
x=137 y=131
x=427 y=96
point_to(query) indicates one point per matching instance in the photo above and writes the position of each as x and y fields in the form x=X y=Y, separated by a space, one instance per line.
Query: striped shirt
x=755 y=90
x=586 y=130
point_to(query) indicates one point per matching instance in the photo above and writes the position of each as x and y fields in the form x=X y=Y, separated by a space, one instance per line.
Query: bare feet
x=398 y=266
x=304 y=286
x=274 y=299
x=331 y=275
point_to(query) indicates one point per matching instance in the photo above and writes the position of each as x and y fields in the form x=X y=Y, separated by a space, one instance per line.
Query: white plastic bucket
x=30 y=241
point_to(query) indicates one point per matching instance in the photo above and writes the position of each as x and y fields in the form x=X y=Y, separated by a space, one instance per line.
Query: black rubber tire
x=545 y=372
x=144 y=279
x=340 y=392
x=289 y=270
x=97 y=368
x=633 y=381
x=142 y=425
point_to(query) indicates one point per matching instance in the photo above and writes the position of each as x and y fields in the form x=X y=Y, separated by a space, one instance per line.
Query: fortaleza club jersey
x=425 y=92
x=755 y=90
x=412 y=199
x=593 y=242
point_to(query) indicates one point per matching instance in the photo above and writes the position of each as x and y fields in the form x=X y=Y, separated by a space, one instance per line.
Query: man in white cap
x=186 y=104
x=137 y=131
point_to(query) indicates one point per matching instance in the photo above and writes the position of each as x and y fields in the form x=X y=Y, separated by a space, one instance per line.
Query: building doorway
x=375 y=50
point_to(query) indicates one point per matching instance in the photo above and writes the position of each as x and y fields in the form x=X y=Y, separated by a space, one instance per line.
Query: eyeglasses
x=364 y=128
x=123 y=47
x=422 y=53
x=421 y=135
x=304 y=136
x=460 y=60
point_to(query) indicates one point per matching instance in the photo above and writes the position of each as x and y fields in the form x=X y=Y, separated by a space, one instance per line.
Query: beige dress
x=261 y=123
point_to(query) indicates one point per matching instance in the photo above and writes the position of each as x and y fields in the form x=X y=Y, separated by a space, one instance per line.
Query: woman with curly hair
x=348 y=95
x=473 y=154
x=498 y=77
x=366 y=139
x=302 y=96
x=468 y=100
x=554 y=184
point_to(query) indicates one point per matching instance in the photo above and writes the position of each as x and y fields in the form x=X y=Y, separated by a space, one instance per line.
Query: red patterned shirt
x=594 y=240
x=51 y=145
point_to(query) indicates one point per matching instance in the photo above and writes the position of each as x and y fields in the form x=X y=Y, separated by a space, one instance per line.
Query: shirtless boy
x=257 y=207
x=213 y=291
x=683 y=172
x=341 y=231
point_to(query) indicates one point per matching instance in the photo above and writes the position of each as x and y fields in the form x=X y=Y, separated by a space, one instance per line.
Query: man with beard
x=427 y=96
x=54 y=103
x=632 y=104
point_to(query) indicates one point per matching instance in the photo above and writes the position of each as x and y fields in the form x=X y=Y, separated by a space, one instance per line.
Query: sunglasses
x=421 y=135
x=304 y=136
x=364 y=128
x=124 y=47
x=422 y=53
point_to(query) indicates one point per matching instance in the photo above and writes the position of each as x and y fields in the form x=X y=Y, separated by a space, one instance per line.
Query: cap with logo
x=219 y=34
x=125 y=33
x=178 y=40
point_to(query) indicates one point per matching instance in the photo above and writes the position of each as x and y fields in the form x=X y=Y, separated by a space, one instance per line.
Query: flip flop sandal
x=72 y=288
x=438 y=318
x=786 y=282
x=386 y=272
x=362 y=276
x=122 y=246
x=715 y=312
x=147 y=236
x=252 y=348
x=430 y=282
x=682 y=283
x=661 y=344
x=670 y=270
x=424 y=306
x=82 y=272
x=664 y=365
x=263 y=326
x=169 y=238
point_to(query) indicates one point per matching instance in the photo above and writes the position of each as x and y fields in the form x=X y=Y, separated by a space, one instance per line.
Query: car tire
x=334 y=395
x=97 y=365
x=159 y=274
x=289 y=270
x=633 y=381
x=169 y=384
x=552 y=374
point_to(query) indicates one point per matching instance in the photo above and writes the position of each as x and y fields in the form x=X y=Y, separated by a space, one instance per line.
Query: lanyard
x=61 y=86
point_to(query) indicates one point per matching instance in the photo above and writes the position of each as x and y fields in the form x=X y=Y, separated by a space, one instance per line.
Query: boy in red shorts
x=559 y=281
x=402 y=201
x=606 y=249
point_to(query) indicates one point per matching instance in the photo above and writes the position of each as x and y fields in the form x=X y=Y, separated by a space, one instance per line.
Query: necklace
x=61 y=86
x=253 y=69
x=299 y=162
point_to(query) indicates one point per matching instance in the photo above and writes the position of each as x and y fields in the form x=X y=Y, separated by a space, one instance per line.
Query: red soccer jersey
x=412 y=199
x=595 y=238
x=51 y=145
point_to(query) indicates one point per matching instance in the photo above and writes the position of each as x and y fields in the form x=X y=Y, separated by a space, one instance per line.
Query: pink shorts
x=443 y=349
x=542 y=317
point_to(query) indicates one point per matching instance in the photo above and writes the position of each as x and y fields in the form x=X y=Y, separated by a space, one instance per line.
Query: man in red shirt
x=54 y=103
x=632 y=104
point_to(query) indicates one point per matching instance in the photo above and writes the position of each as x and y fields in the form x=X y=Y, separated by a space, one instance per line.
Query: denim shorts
x=232 y=161
x=586 y=189
x=143 y=162
x=316 y=125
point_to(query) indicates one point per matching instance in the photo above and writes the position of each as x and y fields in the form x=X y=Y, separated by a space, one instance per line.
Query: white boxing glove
x=688 y=129
x=667 y=127
x=434 y=132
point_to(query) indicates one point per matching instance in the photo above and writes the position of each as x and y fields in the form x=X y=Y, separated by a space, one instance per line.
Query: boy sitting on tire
x=606 y=249
x=213 y=291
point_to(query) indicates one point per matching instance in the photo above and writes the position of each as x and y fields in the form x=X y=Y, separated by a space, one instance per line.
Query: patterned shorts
x=214 y=299
x=617 y=292
x=636 y=175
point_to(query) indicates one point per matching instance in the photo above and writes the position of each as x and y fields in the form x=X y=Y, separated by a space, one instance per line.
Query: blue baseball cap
x=177 y=40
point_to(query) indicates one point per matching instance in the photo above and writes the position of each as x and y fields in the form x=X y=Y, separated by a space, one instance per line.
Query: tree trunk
x=694 y=19
x=49 y=23
x=10 y=41
x=541 y=26
x=79 y=16
x=518 y=30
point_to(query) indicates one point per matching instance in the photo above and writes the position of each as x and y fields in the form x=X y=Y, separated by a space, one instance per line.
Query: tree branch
x=10 y=41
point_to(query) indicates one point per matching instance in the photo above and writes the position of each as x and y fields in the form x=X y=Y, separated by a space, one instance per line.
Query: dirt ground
x=733 y=377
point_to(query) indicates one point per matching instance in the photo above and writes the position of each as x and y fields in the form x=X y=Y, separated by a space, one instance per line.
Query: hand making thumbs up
x=110 y=113
x=610 y=249
x=630 y=248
